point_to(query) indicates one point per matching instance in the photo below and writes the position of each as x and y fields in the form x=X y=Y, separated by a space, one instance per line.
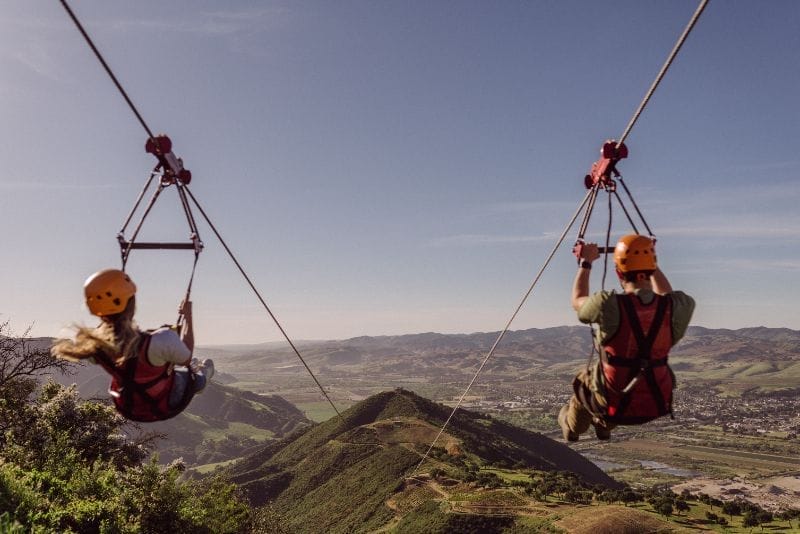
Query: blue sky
x=396 y=167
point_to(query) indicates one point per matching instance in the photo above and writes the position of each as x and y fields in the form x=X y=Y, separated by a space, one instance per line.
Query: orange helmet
x=635 y=252
x=108 y=292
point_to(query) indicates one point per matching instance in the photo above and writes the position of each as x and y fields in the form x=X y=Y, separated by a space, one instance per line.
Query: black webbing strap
x=131 y=387
x=644 y=343
x=142 y=388
x=126 y=376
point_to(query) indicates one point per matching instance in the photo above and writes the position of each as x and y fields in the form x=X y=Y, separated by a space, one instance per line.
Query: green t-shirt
x=602 y=309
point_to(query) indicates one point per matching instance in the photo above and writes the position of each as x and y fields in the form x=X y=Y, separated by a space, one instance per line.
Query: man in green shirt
x=631 y=382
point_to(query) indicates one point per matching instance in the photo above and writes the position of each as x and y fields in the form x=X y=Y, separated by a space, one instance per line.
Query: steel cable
x=591 y=194
x=505 y=329
x=213 y=228
x=260 y=298
x=108 y=69
x=663 y=70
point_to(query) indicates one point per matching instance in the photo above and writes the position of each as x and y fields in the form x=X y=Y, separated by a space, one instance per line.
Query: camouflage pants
x=577 y=417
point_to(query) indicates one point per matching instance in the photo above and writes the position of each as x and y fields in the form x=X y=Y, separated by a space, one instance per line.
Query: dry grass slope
x=615 y=520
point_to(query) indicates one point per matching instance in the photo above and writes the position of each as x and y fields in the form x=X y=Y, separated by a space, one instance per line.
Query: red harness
x=638 y=381
x=141 y=390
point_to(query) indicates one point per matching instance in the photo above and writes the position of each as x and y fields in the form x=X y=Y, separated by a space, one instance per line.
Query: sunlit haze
x=395 y=167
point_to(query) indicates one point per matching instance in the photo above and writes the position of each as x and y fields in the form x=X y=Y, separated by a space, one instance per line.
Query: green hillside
x=338 y=475
x=223 y=423
x=219 y=425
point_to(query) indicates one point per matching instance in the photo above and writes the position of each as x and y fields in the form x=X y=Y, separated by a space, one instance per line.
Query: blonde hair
x=117 y=337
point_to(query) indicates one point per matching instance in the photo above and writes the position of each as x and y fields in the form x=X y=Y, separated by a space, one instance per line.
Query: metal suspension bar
x=126 y=246
x=625 y=210
x=136 y=204
x=157 y=245
x=197 y=243
x=635 y=206
x=592 y=198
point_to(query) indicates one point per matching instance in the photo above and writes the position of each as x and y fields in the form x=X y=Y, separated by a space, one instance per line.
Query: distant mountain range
x=338 y=475
x=528 y=353
x=230 y=420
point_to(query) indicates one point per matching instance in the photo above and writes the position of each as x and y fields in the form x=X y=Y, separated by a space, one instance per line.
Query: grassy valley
x=737 y=407
x=727 y=462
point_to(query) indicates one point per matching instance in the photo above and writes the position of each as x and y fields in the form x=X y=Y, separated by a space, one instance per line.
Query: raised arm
x=580 y=288
x=187 y=332
x=661 y=285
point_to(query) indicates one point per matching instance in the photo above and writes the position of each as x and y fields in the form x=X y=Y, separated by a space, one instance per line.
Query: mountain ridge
x=339 y=474
x=754 y=331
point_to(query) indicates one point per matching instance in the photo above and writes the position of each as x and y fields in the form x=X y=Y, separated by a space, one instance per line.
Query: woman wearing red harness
x=631 y=383
x=153 y=374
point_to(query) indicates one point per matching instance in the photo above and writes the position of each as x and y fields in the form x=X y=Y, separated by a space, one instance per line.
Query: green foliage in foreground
x=352 y=496
x=66 y=466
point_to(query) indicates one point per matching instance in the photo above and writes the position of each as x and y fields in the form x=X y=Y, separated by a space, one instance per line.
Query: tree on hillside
x=628 y=496
x=763 y=516
x=750 y=520
x=488 y=479
x=681 y=506
x=664 y=507
x=542 y=488
x=71 y=468
x=22 y=363
x=788 y=515
x=610 y=496
x=22 y=358
x=731 y=508
x=57 y=421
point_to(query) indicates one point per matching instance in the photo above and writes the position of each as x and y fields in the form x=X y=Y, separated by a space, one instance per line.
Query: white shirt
x=166 y=347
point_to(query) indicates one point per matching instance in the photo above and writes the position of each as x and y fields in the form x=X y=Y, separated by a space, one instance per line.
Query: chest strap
x=643 y=365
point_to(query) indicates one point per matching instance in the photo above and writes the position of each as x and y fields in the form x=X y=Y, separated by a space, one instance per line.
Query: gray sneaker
x=207 y=368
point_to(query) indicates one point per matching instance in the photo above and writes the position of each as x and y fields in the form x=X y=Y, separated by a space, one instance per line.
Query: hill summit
x=338 y=475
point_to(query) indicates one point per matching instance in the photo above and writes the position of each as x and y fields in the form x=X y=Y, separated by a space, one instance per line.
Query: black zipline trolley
x=170 y=171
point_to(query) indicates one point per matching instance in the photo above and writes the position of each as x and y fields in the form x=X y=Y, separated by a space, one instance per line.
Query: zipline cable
x=590 y=197
x=260 y=298
x=589 y=194
x=185 y=203
x=108 y=69
x=663 y=71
